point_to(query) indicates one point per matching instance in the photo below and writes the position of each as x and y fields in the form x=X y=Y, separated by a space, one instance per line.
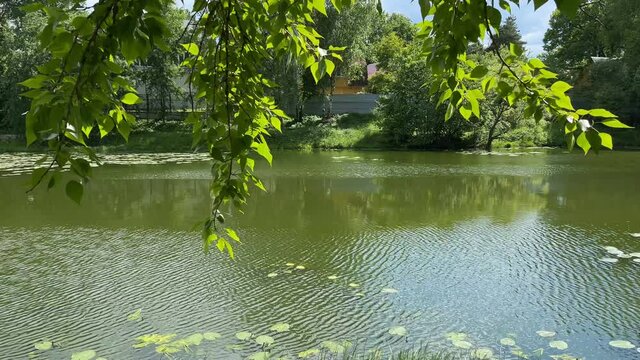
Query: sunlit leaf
x=559 y=344
x=43 y=345
x=462 y=344
x=280 y=327
x=211 y=336
x=545 y=333
x=398 y=331
x=83 y=355
x=622 y=344
x=308 y=353
x=243 y=335
x=507 y=342
x=482 y=354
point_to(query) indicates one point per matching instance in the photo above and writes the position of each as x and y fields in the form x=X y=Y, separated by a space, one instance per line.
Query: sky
x=532 y=24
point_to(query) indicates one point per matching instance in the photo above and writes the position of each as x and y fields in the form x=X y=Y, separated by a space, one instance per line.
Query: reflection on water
x=487 y=245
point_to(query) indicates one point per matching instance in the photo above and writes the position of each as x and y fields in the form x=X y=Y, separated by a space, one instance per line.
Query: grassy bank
x=352 y=131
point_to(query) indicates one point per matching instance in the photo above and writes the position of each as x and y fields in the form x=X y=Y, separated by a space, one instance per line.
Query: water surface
x=482 y=244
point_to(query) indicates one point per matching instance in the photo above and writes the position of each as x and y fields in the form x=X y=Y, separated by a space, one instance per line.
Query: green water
x=482 y=244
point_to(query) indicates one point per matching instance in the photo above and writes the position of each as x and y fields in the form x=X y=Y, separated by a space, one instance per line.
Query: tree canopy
x=83 y=88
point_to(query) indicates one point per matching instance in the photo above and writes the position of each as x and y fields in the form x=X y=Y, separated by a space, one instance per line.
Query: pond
x=490 y=246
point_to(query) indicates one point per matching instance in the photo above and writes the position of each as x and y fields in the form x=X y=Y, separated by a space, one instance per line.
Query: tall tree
x=507 y=34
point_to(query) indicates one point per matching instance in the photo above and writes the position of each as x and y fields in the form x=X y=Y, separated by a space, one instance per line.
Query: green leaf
x=211 y=336
x=280 y=327
x=131 y=99
x=622 y=344
x=232 y=234
x=263 y=150
x=264 y=340
x=462 y=344
x=320 y=6
x=329 y=65
x=560 y=87
x=135 y=316
x=537 y=64
x=607 y=140
x=192 y=48
x=398 y=331
x=583 y=143
x=482 y=354
x=308 y=353
x=243 y=335
x=615 y=123
x=83 y=355
x=43 y=345
x=74 y=191
x=601 y=113
x=545 y=333
x=478 y=72
x=558 y=344
x=507 y=342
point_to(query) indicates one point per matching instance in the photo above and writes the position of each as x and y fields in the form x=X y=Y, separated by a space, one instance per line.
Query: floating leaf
x=234 y=347
x=135 y=316
x=624 y=256
x=83 y=355
x=609 y=260
x=308 y=353
x=43 y=345
x=519 y=353
x=354 y=285
x=333 y=347
x=545 y=333
x=611 y=248
x=636 y=254
x=360 y=294
x=211 y=336
x=635 y=235
x=558 y=344
x=259 y=356
x=280 y=327
x=332 y=277
x=538 y=352
x=389 y=291
x=290 y=264
x=482 y=353
x=398 y=331
x=195 y=339
x=462 y=344
x=155 y=339
x=300 y=267
x=455 y=336
x=243 y=335
x=507 y=342
x=636 y=260
x=264 y=340
x=272 y=275
x=615 y=251
x=622 y=344
x=287 y=272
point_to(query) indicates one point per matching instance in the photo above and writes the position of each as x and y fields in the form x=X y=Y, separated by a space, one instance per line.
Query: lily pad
x=287 y=271
x=259 y=356
x=195 y=339
x=635 y=254
x=635 y=235
x=280 y=327
x=462 y=344
x=545 y=333
x=519 y=353
x=389 y=291
x=622 y=344
x=211 y=336
x=354 y=285
x=559 y=344
x=482 y=353
x=333 y=347
x=359 y=294
x=614 y=251
x=43 y=345
x=243 y=335
x=83 y=355
x=624 y=256
x=300 y=267
x=508 y=342
x=636 y=260
x=290 y=264
x=135 y=316
x=611 y=248
x=308 y=353
x=332 y=277
x=455 y=336
x=264 y=340
x=272 y=275
x=398 y=331
x=609 y=260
